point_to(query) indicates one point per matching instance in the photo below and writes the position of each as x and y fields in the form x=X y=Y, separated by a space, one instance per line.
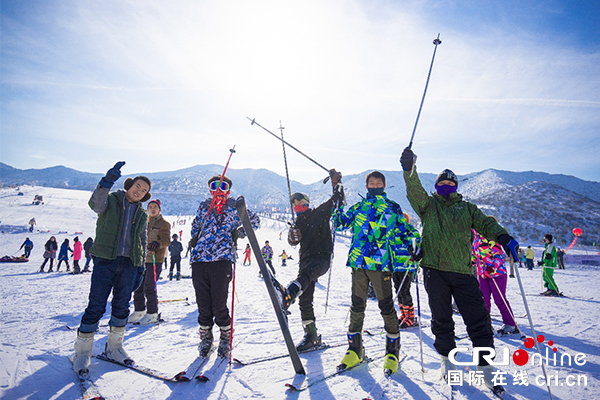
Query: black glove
x=237 y=234
x=510 y=245
x=548 y=256
x=540 y=263
x=294 y=236
x=338 y=195
x=407 y=159
x=416 y=253
x=112 y=175
x=153 y=246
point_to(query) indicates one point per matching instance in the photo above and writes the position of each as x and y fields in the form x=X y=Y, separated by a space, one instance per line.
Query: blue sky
x=167 y=85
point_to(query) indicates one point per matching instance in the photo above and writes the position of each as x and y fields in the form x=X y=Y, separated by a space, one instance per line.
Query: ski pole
x=507 y=306
x=232 y=308
x=537 y=346
x=214 y=196
x=336 y=207
x=435 y=42
x=287 y=174
x=253 y=122
x=419 y=316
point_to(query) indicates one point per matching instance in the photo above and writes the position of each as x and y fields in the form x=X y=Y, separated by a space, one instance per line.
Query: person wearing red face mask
x=214 y=232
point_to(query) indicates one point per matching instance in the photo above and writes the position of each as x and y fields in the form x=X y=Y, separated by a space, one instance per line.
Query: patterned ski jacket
x=488 y=253
x=215 y=242
x=267 y=253
x=549 y=258
x=380 y=234
x=447 y=224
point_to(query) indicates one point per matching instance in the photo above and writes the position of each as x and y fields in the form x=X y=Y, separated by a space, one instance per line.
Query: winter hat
x=446 y=175
x=174 y=236
x=548 y=236
x=301 y=197
x=157 y=201
x=76 y=239
x=130 y=181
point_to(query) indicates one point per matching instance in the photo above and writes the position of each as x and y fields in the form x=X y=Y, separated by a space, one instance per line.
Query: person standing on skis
x=447 y=272
x=175 y=249
x=378 y=229
x=311 y=230
x=549 y=263
x=119 y=249
x=145 y=298
x=212 y=256
x=248 y=255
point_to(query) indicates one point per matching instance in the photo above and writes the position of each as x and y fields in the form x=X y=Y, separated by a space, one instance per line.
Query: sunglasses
x=214 y=185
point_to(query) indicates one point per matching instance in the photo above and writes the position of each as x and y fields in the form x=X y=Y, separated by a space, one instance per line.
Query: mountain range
x=529 y=204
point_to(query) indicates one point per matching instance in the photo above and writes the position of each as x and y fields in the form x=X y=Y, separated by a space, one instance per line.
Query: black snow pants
x=309 y=271
x=211 y=283
x=404 y=298
x=146 y=296
x=441 y=287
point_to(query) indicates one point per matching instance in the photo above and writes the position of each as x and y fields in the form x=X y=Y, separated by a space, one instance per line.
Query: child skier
x=446 y=245
x=310 y=230
x=378 y=228
x=145 y=298
x=491 y=273
x=212 y=257
x=549 y=263
x=284 y=258
x=175 y=249
x=63 y=255
x=119 y=249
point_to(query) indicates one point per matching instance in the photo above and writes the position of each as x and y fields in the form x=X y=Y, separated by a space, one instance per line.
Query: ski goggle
x=214 y=185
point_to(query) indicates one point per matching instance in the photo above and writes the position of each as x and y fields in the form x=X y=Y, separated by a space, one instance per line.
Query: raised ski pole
x=214 y=196
x=253 y=122
x=537 y=346
x=436 y=41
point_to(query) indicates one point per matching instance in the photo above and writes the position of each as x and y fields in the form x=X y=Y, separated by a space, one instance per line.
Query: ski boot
x=224 y=342
x=355 y=353
x=553 y=293
x=114 y=346
x=83 y=351
x=488 y=379
x=41 y=269
x=206 y=340
x=178 y=276
x=508 y=330
x=392 y=350
x=136 y=316
x=546 y=293
x=171 y=275
x=311 y=339
x=445 y=366
x=409 y=319
x=148 y=319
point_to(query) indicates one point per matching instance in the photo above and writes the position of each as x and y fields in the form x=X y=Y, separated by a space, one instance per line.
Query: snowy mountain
x=562 y=203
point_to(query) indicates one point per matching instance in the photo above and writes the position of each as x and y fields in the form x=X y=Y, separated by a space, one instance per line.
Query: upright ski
x=89 y=390
x=240 y=205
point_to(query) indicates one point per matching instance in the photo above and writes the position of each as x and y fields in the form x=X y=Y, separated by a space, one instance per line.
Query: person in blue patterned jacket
x=214 y=235
x=379 y=230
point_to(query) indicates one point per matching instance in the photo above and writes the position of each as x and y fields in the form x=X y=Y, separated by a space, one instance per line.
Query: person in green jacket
x=119 y=265
x=446 y=246
x=379 y=232
x=549 y=263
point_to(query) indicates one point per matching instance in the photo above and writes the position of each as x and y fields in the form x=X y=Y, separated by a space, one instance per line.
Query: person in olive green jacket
x=119 y=265
x=145 y=298
x=446 y=245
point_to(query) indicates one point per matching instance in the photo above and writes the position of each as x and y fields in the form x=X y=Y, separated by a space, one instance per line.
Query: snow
x=36 y=308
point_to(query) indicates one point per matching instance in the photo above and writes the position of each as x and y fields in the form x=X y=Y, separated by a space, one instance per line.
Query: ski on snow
x=89 y=390
x=323 y=346
x=310 y=382
x=240 y=206
x=180 y=377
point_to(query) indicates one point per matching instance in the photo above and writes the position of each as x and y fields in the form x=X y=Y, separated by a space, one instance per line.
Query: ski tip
x=202 y=378
x=181 y=377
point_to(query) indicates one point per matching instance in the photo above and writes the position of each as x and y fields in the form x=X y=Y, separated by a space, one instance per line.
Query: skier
x=212 y=256
x=446 y=245
x=31 y=224
x=63 y=255
x=119 y=249
x=77 y=250
x=28 y=244
x=491 y=273
x=549 y=263
x=175 y=249
x=267 y=253
x=87 y=247
x=530 y=256
x=49 y=253
x=560 y=253
x=404 y=271
x=145 y=298
x=311 y=230
x=248 y=255
x=284 y=257
x=378 y=228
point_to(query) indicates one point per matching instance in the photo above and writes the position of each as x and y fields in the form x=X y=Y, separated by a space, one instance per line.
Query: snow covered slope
x=36 y=308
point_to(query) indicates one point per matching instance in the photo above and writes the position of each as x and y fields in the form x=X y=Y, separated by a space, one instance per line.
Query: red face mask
x=300 y=208
x=220 y=198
